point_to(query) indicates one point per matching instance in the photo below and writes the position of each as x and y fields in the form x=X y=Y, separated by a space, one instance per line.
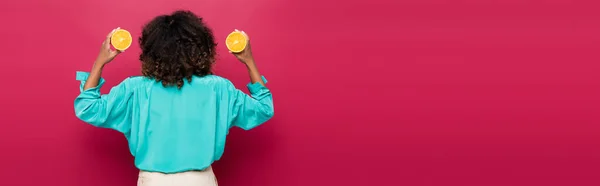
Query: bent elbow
x=267 y=114
x=86 y=112
x=270 y=112
x=258 y=119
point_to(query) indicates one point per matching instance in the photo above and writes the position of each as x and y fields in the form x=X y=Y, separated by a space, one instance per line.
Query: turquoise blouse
x=173 y=130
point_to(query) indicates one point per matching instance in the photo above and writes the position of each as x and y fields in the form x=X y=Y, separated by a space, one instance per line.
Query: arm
x=255 y=76
x=105 y=56
x=107 y=111
x=112 y=110
x=94 y=78
x=247 y=58
x=247 y=111
x=251 y=111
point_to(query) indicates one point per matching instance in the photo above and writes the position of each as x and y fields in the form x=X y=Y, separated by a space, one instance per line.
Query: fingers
x=247 y=43
x=112 y=32
x=117 y=51
x=247 y=37
x=107 y=40
x=114 y=53
x=243 y=33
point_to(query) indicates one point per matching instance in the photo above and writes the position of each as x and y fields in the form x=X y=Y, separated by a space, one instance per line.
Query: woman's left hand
x=107 y=54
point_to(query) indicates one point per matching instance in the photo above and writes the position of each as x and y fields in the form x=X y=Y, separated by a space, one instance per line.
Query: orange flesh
x=121 y=39
x=236 y=41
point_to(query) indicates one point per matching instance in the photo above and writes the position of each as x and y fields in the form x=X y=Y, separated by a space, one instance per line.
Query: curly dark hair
x=176 y=47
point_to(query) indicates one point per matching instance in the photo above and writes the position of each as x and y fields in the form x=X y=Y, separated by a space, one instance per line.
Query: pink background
x=371 y=92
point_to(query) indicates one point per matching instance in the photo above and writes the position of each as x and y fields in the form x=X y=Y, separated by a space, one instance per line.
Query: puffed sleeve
x=112 y=110
x=247 y=111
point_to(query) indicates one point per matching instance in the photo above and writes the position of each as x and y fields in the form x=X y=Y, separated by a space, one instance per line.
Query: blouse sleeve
x=251 y=111
x=110 y=110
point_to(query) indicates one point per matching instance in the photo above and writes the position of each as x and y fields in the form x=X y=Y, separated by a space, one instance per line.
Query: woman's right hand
x=245 y=56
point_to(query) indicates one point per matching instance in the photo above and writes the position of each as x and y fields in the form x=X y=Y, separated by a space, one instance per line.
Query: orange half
x=236 y=41
x=121 y=39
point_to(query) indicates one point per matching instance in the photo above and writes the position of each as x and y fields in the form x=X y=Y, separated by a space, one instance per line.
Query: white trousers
x=190 y=178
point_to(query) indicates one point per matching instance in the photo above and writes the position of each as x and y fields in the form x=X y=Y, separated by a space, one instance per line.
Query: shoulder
x=215 y=80
x=136 y=79
x=133 y=82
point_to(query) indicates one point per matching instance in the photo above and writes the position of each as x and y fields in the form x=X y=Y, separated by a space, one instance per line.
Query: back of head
x=176 y=47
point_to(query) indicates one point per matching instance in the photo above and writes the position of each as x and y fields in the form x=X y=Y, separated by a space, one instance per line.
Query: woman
x=177 y=115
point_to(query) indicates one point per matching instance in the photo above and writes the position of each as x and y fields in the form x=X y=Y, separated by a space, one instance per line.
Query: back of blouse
x=173 y=130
